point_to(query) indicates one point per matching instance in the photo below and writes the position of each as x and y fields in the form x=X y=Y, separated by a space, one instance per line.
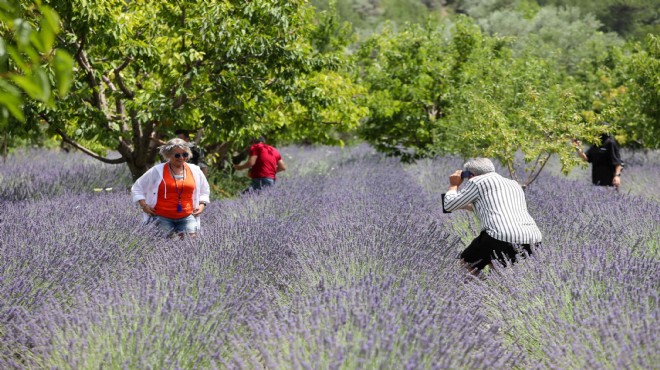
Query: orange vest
x=173 y=192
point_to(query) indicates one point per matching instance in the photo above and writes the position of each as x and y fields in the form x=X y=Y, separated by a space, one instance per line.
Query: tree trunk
x=137 y=170
x=220 y=152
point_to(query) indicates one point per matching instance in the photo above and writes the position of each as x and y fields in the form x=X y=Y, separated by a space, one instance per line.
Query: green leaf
x=36 y=86
x=13 y=104
x=7 y=87
x=18 y=59
x=4 y=56
x=37 y=39
x=41 y=78
x=23 y=32
x=28 y=85
x=50 y=19
x=49 y=27
x=63 y=71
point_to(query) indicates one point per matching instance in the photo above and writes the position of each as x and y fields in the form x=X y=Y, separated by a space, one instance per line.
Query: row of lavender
x=41 y=173
x=348 y=263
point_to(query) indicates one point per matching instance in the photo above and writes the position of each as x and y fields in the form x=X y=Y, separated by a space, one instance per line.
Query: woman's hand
x=148 y=210
x=198 y=211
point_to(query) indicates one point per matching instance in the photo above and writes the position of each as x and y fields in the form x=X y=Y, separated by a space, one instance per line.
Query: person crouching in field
x=173 y=194
x=507 y=229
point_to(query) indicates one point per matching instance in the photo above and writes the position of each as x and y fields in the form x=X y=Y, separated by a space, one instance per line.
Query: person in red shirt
x=264 y=163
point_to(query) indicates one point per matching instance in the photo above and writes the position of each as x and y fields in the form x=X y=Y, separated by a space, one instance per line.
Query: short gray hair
x=479 y=166
x=166 y=150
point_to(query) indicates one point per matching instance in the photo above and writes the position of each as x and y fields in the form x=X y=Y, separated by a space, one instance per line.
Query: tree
x=564 y=35
x=30 y=66
x=509 y=106
x=228 y=67
x=641 y=118
x=632 y=19
x=367 y=16
x=464 y=92
x=409 y=74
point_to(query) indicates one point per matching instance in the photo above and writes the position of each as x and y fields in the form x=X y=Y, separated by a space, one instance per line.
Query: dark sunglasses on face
x=178 y=155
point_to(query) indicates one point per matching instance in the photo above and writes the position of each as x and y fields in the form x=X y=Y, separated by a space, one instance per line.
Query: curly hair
x=166 y=150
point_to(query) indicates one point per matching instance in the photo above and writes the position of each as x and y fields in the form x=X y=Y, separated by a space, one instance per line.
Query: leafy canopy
x=30 y=65
x=438 y=90
x=235 y=69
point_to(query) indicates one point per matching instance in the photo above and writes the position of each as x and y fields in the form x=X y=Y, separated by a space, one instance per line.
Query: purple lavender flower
x=348 y=263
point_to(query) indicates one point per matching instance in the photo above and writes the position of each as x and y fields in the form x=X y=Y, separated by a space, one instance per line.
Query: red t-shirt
x=266 y=164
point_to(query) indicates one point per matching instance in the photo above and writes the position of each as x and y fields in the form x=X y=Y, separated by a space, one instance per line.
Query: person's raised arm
x=281 y=166
x=250 y=162
x=454 y=200
x=616 y=181
x=580 y=152
x=455 y=180
x=154 y=137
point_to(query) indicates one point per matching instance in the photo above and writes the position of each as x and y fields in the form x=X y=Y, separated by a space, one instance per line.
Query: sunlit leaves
x=224 y=66
x=63 y=72
x=408 y=74
x=643 y=68
x=26 y=54
x=460 y=91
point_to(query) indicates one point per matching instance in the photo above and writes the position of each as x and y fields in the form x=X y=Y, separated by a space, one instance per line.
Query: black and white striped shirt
x=500 y=206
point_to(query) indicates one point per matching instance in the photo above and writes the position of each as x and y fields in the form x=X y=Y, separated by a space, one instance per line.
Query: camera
x=466 y=174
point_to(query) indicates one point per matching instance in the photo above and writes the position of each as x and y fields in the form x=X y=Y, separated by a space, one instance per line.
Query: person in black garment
x=605 y=159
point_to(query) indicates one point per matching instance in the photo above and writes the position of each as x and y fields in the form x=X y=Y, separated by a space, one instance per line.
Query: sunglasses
x=179 y=155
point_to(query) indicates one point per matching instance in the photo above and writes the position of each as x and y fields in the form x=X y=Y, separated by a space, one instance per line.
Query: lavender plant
x=347 y=263
x=637 y=178
x=38 y=173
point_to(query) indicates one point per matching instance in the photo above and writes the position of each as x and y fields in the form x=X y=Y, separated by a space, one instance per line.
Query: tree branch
x=119 y=103
x=66 y=139
x=120 y=81
x=512 y=172
x=540 y=169
x=99 y=100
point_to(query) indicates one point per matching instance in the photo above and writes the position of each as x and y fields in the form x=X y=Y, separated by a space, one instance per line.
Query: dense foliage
x=632 y=19
x=30 y=65
x=456 y=90
x=236 y=69
x=347 y=263
x=602 y=76
x=516 y=75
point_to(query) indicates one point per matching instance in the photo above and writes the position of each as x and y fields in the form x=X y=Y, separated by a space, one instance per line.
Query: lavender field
x=349 y=263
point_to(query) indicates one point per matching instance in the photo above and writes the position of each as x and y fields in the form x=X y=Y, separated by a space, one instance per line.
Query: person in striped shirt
x=507 y=229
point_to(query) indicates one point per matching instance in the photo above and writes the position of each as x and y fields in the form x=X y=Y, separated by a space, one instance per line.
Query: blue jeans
x=258 y=184
x=176 y=225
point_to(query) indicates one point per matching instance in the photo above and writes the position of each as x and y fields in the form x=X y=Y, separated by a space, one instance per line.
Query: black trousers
x=484 y=248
